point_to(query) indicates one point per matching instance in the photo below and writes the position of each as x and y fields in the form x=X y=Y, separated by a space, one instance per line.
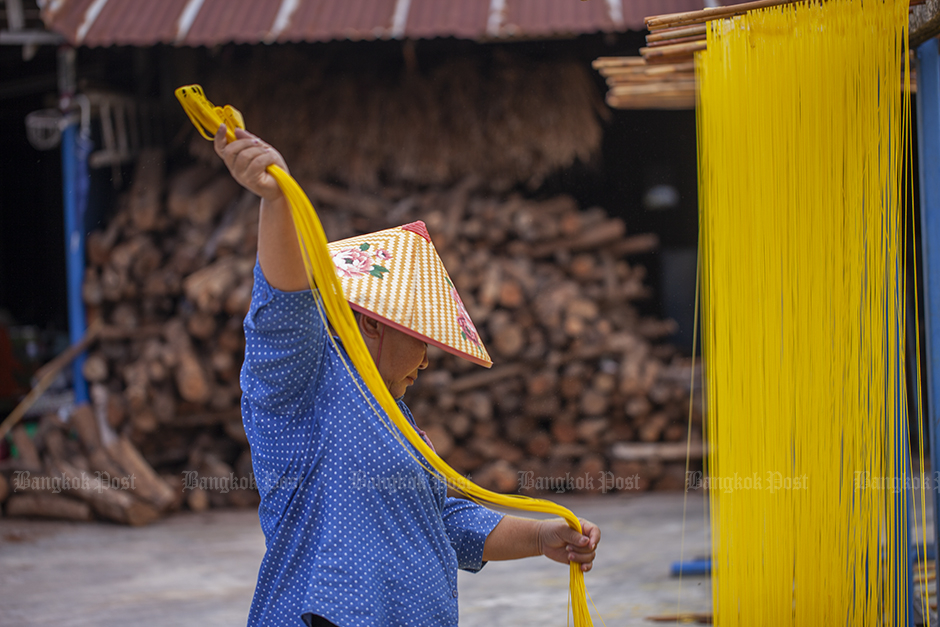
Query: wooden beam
x=925 y=22
x=656 y=451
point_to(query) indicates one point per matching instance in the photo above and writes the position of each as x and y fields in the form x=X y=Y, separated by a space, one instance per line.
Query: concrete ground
x=200 y=569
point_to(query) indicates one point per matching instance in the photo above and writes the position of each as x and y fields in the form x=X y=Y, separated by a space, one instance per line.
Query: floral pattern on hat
x=467 y=330
x=360 y=261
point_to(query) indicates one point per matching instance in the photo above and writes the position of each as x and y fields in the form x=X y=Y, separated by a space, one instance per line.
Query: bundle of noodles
x=803 y=144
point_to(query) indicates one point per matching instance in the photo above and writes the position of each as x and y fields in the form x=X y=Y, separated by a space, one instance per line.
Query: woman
x=357 y=532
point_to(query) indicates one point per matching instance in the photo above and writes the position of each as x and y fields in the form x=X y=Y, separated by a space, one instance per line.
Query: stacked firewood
x=583 y=394
x=580 y=379
x=83 y=477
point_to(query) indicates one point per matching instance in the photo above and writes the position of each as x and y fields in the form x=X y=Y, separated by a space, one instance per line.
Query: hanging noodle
x=322 y=276
x=804 y=142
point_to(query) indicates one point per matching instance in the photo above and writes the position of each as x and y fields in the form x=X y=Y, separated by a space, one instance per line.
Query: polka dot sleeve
x=468 y=526
x=284 y=344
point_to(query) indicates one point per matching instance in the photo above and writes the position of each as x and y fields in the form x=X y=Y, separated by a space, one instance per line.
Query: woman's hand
x=247 y=158
x=559 y=542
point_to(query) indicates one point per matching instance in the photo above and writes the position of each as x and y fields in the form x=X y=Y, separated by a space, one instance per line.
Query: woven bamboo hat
x=397 y=277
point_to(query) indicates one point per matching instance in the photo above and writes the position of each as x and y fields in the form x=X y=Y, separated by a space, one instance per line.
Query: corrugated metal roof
x=223 y=21
x=340 y=19
x=212 y=22
x=430 y=18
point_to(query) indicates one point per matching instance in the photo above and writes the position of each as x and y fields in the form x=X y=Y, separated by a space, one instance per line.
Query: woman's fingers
x=252 y=160
x=219 y=141
x=592 y=532
x=578 y=554
x=583 y=551
x=248 y=160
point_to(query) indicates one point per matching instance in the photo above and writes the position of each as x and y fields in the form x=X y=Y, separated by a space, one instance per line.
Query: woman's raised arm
x=247 y=158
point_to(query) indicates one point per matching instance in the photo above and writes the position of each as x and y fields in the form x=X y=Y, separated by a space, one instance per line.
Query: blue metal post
x=73 y=205
x=928 y=153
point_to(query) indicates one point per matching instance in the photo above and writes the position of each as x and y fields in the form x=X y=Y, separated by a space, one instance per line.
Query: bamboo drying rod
x=658 y=23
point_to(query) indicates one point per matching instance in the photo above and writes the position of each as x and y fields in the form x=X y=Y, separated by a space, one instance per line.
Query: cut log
x=509 y=340
x=463 y=461
x=459 y=424
x=147 y=484
x=212 y=199
x=564 y=432
x=115 y=412
x=95 y=368
x=593 y=403
x=191 y=380
x=651 y=429
x=85 y=425
x=108 y=496
x=197 y=500
x=201 y=325
x=175 y=481
x=55 y=442
x=478 y=404
x=99 y=244
x=145 y=205
x=101 y=462
x=47 y=506
x=539 y=445
x=209 y=287
x=499 y=476
x=183 y=188
x=487 y=377
x=441 y=438
x=591 y=429
x=27 y=455
x=601 y=234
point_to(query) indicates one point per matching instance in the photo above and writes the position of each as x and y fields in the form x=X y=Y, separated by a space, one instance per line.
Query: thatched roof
x=503 y=119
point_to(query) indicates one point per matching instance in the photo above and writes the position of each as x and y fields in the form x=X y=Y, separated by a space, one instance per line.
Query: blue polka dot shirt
x=356 y=531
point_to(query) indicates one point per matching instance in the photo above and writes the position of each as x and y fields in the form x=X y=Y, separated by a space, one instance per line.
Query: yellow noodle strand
x=322 y=276
x=804 y=142
x=688 y=441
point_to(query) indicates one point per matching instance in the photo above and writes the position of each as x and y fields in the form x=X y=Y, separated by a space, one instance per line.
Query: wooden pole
x=673 y=20
x=676 y=33
x=670 y=20
x=673 y=50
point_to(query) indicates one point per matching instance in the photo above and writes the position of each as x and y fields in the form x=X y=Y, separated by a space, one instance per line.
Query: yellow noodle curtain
x=803 y=136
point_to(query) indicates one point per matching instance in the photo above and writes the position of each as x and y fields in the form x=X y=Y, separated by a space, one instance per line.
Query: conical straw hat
x=397 y=277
